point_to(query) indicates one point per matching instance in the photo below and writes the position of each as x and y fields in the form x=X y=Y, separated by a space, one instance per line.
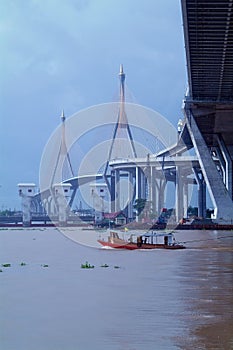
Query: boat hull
x=134 y=246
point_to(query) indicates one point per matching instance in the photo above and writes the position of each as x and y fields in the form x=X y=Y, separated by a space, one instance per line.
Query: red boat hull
x=134 y=246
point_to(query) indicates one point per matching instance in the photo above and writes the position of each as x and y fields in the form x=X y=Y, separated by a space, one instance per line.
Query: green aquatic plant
x=45 y=265
x=1 y=270
x=23 y=264
x=6 y=265
x=87 y=266
x=116 y=267
x=104 y=265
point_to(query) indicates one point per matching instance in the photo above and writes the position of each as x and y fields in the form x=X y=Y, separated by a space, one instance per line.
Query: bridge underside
x=208 y=33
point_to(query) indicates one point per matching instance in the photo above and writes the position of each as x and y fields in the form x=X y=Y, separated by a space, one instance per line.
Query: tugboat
x=153 y=240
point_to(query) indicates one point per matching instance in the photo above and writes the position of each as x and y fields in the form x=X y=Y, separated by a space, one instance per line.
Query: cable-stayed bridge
x=206 y=129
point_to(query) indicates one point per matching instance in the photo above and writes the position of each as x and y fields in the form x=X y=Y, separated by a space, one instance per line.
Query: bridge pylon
x=63 y=158
x=122 y=129
x=122 y=146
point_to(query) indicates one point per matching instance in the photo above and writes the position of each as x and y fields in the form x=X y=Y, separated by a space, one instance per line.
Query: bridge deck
x=208 y=33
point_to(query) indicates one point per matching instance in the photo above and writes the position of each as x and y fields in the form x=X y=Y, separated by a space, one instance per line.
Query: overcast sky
x=59 y=54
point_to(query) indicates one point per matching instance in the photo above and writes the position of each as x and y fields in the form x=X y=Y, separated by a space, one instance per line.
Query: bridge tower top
x=122 y=82
x=63 y=118
x=122 y=130
x=122 y=118
x=63 y=162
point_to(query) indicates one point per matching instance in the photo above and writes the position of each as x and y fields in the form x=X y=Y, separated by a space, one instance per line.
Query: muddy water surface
x=143 y=300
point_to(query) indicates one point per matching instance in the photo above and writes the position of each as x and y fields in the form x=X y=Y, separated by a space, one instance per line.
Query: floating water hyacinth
x=6 y=265
x=104 y=265
x=87 y=266
x=23 y=264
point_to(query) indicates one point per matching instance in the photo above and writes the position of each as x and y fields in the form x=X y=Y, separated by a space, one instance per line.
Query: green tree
x=139 y=205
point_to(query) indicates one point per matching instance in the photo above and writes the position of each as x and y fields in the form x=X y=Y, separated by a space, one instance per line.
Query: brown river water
x=143 y=300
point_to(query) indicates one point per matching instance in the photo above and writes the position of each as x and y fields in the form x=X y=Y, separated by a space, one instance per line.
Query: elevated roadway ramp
x=208 y=33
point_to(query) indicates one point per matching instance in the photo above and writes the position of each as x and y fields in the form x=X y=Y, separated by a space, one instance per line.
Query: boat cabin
x=156 y=238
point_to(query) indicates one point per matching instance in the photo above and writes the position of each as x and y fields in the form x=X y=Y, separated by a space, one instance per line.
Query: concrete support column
x=99 y=192
x=143 y=185
x=228 y=165
x=179 y=195
x=62 y=194
x=202 y=198
x=161 y=195
x=130 y=196
x=157 y=196
x=113 y=191
x=186 y=199
x=26 y=192
x=153 y=191
x=117 y=190
x=138 y=183
x=201 y=193
x=26 y=209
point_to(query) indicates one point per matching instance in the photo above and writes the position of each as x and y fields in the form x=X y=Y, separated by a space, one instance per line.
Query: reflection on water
x=156 y=300
x=207 y=280
x=207 y=286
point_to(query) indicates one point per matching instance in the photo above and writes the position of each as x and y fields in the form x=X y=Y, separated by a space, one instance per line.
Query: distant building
x=117 y=218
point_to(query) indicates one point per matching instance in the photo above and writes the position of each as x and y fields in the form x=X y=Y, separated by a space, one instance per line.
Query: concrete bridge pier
x=130 y=195
x=161 y=186
x=201 y=193
x=26 y=192
x=113 y=190
x=179 y=194
x=62 y=194
x=220 y=196
x=138 y=183
x=186 y=199
x=228 y=165
x=153 y=192
x=143 y=184
x=202 y=199
x=117 y=191
x=151 y=181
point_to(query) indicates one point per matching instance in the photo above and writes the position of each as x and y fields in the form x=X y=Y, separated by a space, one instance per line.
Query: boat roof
x=153 y=234
x=149 y=234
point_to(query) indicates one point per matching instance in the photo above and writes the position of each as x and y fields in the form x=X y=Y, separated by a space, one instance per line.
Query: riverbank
x=195 y=225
